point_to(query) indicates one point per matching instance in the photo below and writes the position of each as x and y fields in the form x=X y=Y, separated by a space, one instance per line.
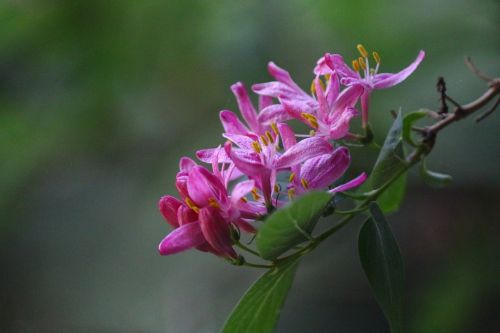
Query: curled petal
x=347 y=99
x=216 y=231
x=350 y=184
x=242 y=141
x=181 y=183
x=321 y=67
x=246 y=226
x=273 y=113
x=183 y=238
x=168 y=206
x=387 y=80
x=186 y=164
x=276 y=89
x=322 y=103
x=302 y=151
x=186 y=215
x=241 y=189
x=336 y=62
x=323 y=170
x=203 y=186
x=247 y=162
x=332 y=89
x=265 y=101
x=246 y=107
x=283 y=76
x=231 y=123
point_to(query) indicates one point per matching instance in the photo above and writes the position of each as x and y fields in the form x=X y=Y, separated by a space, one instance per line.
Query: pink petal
x=323 y=170
x=339 y=127
x=168 y=206
x=350 y=184
x=347 y=99
x=336 y=62
x=245 y=226
x=332 y=89
x=241 y=189
x=287 y=136
x=265 y=101
x=186 y=164
x=207 y=155
x=216 y=231
x=186 y=215
x=231 y=123
x=273 y=113
x=242 y=141
x=276 y=89
x=365 y=104
x=247 y=162
x=388 y=80
x=246 y=107
x=183 y=238
x=283 y=76
x=323 y=105
x=321 y=67
x=203 y=186
x=302 y=151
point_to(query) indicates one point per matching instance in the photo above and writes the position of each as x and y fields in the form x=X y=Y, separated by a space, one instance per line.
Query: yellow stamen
x=312 y=119
x=244 y=199
x=264 y=140
x=269 y=137
x=212 y=202
x=256 y=147
x=376 y=57
x=291 y=193
x=276 y=188
x=305 y=183
x=313 y=88
x=327 y=76
x=292 y=177
x=362 y=50
x=255 y=195
x=312 y=133
x=362 y=63
x=355 y=65
x=275 y=128
x=191 y=205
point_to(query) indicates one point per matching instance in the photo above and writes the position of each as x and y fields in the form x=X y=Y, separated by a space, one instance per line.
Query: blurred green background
x=99 y=99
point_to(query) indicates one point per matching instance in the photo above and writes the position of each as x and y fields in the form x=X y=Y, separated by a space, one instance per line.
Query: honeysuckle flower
x=260 y=158
x=322 y=171
x=367 y=76
x=205 y=217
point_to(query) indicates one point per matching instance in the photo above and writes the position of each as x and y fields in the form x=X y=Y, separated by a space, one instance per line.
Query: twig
x=475 y=70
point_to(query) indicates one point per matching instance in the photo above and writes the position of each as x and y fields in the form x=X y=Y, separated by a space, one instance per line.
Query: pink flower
x=260 y=158
x=369 y=78
x=205 y=217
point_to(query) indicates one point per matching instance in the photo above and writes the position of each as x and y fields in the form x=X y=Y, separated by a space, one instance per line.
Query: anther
x=355 y=65
x=256 y=147
x=264 y=140
x=291 y=193
x=292 y=177
x=312 y=133
x=212 y=202
x=376 y=57
x=245 y=200
x=255 y=195
x=275 y=128
x=276 y=188
x=269 y=137
x=362 y=63
x=305 y=183
x=362 y=50
x=191 y=205
x=328 y=76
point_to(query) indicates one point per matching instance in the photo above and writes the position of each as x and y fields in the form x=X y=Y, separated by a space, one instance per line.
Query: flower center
x=363 y=64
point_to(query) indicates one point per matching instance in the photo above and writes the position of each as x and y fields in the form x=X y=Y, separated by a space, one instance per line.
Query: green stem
x=246 y=248
x=249 y=264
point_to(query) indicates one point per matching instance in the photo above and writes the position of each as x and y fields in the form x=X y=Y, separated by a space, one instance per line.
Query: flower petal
x=273 y=113
x=216 y=231
x=302 y=151
x=185 y=237
x=321 y=67
x=203 y=186
x=247 y=162
x=283 y=76
x=350 y=184
x=186 y=215
x=337 y=63
x=168 y=206
x=332 y=89
x=241 y=189
x=186 y=164
x=246 y=107
x=207 y=155
x=323 y=170
x=231 y=123
x=339 y=127
x=388 y=80
x=347 y=99
x=287 y=135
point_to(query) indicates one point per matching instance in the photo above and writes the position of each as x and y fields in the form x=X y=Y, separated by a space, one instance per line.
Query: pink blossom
x=367 y=76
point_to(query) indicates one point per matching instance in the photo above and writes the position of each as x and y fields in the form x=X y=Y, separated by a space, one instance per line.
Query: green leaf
x=383 y=266
x=391 y=157
x=408 y=122
x=390 y=200
x=260 y=307
x=433 y=178
x=291 y=225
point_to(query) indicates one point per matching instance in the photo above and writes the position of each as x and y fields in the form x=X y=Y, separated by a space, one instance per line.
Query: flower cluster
x=263 y=165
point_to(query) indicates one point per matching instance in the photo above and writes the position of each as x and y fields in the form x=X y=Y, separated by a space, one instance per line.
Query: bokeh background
x=99 y=99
